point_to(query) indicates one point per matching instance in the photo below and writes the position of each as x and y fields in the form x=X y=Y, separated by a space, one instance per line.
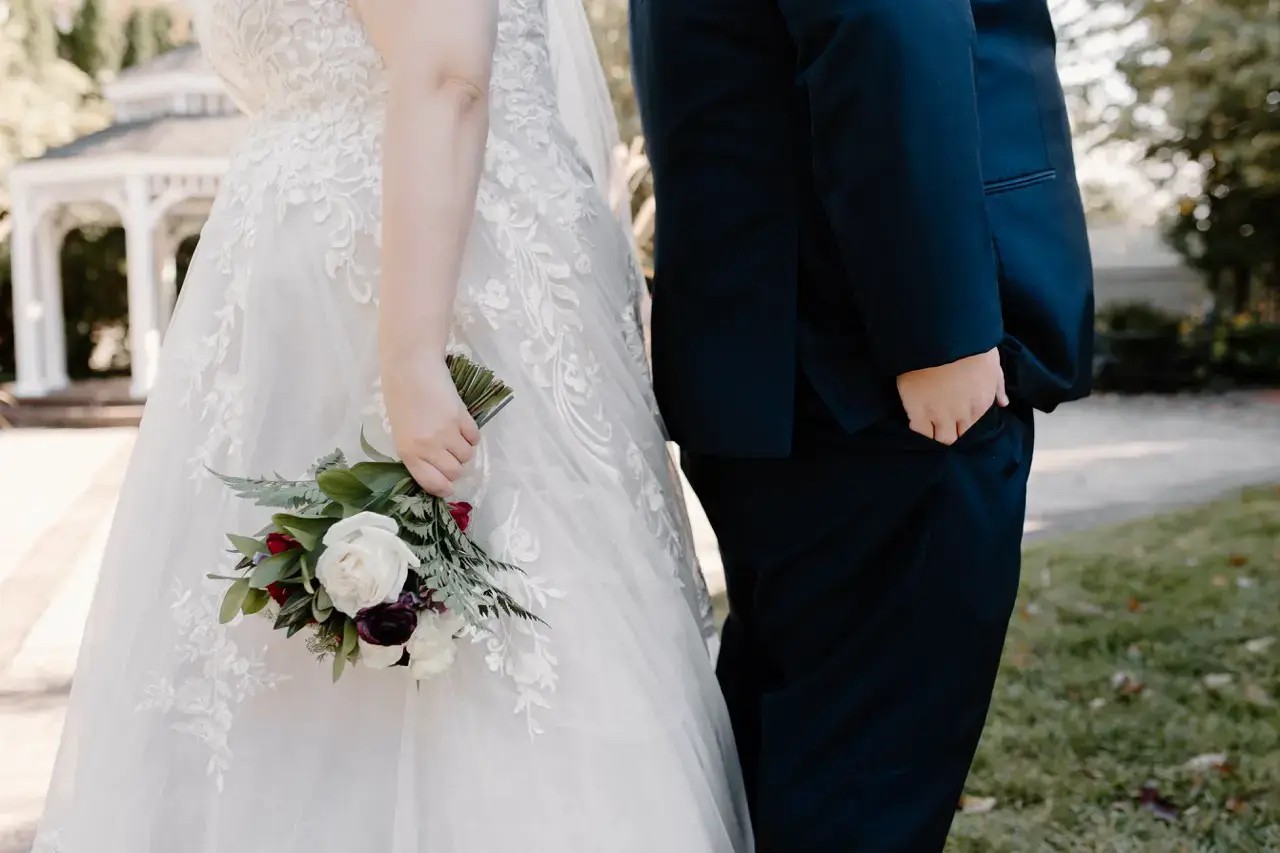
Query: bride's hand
x=433 y=433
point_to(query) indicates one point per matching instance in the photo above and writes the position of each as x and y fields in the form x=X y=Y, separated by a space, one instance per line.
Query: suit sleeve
x=894 y=116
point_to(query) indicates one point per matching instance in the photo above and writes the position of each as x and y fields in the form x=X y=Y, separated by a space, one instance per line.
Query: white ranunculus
x=432 y=647
x=365 y=562
x=379 y=657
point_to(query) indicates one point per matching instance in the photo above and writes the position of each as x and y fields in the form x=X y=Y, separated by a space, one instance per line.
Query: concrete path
x=1100 y=461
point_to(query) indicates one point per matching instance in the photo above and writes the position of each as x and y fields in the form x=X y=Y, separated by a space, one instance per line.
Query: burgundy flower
x=461 y=512
x=279 y=593
x=278 y=543
x=388 y=624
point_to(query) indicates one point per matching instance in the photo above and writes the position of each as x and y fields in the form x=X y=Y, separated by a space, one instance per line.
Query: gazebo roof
x=163 y=136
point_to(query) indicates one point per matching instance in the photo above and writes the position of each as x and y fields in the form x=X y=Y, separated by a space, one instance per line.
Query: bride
x=421 y=176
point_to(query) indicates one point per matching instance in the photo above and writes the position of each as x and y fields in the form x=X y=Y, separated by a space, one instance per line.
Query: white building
x=155 y=170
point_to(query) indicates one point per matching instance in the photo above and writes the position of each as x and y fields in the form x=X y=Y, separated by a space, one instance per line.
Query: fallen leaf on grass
x=1134 y=604
x=977 y=805
x=1238 y=560
x=1256 y=695
x=1236 y=805
x=1208 y=761
x=1219 y=580
x=1219 y=680
x=1098 y=704
x=1259 y=645
x=1127 y=684
x=1149 y=799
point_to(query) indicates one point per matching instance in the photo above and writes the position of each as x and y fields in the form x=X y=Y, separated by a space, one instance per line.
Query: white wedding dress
x=603 y=731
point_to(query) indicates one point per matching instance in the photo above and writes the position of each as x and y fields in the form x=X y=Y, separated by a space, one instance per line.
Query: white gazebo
x=155 y=170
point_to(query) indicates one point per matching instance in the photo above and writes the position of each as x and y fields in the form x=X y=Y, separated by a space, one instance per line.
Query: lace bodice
x=303 y=57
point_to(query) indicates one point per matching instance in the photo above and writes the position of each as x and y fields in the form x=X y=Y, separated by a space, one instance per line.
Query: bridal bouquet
x=377 y=571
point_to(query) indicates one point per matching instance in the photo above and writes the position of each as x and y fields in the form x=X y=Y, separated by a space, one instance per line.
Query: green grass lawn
x=1139 y=656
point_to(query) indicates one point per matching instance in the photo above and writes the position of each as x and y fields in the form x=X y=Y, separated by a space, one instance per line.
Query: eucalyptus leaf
x=308 y=563
x=372 y=452
x=247 y=545
x=233 y=600
x=273 y=569
x=339 y=664
x=254 y=602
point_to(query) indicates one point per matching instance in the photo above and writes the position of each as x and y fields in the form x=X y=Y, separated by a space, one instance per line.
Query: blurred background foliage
x=1193 y=85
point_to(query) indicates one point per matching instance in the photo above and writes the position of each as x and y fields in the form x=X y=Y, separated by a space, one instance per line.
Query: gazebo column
x=166 y=271
x=145 y=328
x=28 y=325
x=49 y=236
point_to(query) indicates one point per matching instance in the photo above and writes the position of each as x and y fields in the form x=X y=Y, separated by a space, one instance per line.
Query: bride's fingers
x=446 y=463
x=469 y=430
x=462 y=450
x=430 y=479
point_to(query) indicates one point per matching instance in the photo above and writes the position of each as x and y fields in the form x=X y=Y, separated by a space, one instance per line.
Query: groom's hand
x=943 y=402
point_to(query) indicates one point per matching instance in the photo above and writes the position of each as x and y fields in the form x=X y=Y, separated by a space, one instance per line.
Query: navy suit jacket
x=854 y=189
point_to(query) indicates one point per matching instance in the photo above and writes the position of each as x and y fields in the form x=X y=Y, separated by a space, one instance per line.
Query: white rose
x=365 y=562
x=432 y=647
x=379 y=657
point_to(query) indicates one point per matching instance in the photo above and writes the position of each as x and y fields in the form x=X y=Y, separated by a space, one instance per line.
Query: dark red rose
x=388 y=624
x=279 y=593
x=278 y=543
x=461 y=512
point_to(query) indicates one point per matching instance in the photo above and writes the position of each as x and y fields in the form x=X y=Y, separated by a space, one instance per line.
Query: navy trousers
x=871 y=579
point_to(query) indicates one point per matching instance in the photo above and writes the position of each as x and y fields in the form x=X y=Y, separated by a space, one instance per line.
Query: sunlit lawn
x=1141 y=657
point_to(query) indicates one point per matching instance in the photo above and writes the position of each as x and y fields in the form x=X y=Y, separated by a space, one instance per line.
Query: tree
x=1206 y=81
x=148 y=32
x=93 y=43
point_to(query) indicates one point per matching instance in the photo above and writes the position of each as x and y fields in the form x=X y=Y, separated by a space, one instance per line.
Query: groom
x=871 y=267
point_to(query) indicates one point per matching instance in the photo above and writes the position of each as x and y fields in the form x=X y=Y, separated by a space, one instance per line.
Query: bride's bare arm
x=438 y=56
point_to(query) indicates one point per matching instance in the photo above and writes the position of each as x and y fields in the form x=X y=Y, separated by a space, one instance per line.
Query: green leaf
x=339 y=664
x=294 y=628
x=309 y=531
x=320 y=614
x=343 y=487
x=247 y=545
x=233 y=600
x=308 y=564
x=381 y=476
x=299 y=602
x=273 y=569
x=373 y=452
x=274 y=492
x=350 y=638
x=254 y=601
x=336 y=459
x=323 y=599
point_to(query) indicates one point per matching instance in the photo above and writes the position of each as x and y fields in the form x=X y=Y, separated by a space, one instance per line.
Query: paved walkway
x=1099 y=461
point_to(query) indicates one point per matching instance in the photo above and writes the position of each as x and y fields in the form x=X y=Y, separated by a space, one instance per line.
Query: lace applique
x=203 y=703
x=518 y=649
